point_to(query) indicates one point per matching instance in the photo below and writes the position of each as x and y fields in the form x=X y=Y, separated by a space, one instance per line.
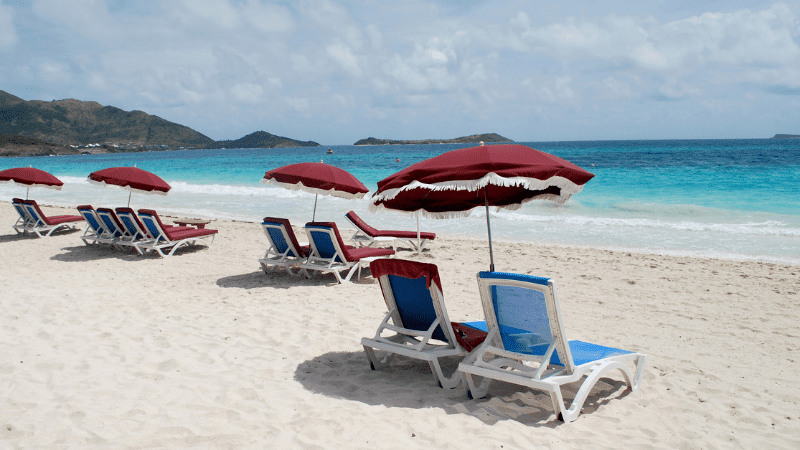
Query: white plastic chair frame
x=24 y=222
x=412 y=343
x=274 y=257
x=362 y=239
x=116 y=233
x=492 y=362
x=161 y=241
x=92 y=235
x=318 y=263
x=39 y=226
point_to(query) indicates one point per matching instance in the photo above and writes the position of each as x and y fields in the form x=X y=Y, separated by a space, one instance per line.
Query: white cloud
x=86 y=17
x=344 y=57
x=54 y=72
x=8 y=35
x=247 y=93
x=418 y=62
x=733 y=39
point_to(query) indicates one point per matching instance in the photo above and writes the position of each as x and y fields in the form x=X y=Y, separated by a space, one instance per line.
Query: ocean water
x=734 y=199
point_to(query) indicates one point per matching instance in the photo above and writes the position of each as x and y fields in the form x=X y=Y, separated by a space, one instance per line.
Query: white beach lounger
x=95 y=231
x=283 y=250
x=527 y=345
x=417 y=325
x=39 y=223
x=25 y=222
x=367 y=235
x=166 y=237
x=329 y=254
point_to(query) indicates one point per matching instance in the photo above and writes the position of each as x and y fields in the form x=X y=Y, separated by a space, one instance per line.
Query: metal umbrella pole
x=314 y=217
x=489 y=229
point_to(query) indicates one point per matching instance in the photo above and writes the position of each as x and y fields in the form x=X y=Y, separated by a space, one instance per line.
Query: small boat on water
x=330 y=152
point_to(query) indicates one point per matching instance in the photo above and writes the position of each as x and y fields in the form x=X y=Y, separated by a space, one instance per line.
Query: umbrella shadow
x=279 y=279
x=408 y=383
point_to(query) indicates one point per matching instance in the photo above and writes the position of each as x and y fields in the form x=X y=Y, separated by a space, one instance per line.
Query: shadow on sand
x=30 y=235
x=408 y=383
x=281 y=280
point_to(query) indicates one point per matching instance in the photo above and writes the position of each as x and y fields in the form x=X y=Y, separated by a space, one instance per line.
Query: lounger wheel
x=561 y=417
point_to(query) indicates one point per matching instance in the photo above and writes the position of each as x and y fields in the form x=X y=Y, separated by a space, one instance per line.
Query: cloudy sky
x=335 y=71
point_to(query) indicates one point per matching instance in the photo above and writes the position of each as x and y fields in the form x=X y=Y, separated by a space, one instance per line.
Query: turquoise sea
x=737 y=199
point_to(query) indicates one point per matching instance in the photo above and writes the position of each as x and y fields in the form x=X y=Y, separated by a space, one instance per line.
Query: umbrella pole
x=314 y=217
x=419 y=243
x=27 y=193
x=489 y=229
x=129 y=199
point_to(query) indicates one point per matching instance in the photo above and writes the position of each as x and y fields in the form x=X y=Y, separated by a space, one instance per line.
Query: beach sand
x=102 y=349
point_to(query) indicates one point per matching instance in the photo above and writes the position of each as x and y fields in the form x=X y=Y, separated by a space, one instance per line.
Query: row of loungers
x=33 y=220
x=123 y=228
x=522 y=340
x=326 y=252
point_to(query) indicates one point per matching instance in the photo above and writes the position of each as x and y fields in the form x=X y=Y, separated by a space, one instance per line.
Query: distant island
x=65 y=127
x=262 y=139
x=786 y=136
x=474 y=139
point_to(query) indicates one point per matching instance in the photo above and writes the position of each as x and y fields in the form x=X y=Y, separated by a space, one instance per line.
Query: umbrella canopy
x=30 y=177
x=505 y=176
x=131 y=178
x=317 y=178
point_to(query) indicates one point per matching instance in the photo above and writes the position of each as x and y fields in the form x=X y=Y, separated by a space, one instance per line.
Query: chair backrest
x=129 y=220
x=414 y=291
x=360 y=224
x=20 y=207
x=153 y=224
x=36 y=215
x=91 y=218
x=281 y=236
x=110 y=221
x=524 y=309
x=325 y=239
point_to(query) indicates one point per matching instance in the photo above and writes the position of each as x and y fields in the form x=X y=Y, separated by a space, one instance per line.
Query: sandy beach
x=104 y=349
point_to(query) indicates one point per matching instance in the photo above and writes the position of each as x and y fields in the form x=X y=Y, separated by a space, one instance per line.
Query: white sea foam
x=681 y=230
x=768 y=227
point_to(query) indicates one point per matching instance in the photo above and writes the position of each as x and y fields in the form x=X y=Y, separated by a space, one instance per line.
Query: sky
x=336 y=71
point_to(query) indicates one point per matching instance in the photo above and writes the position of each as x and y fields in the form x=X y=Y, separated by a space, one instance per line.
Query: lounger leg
x=374 y=364
x=568 y=415
x=475 y=391
x=444 y=382
x=637 y=378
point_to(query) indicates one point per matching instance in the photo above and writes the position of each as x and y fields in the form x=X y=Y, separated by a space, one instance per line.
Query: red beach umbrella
x=317 y=178
x=30 y=177
x=505 y=176
x=131 y=178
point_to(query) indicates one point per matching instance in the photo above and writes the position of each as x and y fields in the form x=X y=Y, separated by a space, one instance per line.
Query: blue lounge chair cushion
x=415 y=305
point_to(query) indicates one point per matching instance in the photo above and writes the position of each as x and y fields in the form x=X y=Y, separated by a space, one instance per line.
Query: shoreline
x=106 y=349
x=639 y=251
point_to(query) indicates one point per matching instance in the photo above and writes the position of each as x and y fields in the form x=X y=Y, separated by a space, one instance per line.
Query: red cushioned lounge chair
x=329 y=254
x=166 y=237
x=284 y=250
x=417 y=325
x=367 y=236
x=40 y=223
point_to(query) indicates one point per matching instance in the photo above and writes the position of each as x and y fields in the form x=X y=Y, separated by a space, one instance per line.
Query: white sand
x=105 y=350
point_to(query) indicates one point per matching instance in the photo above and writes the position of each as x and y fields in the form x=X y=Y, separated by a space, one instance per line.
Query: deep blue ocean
x=737 y=199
